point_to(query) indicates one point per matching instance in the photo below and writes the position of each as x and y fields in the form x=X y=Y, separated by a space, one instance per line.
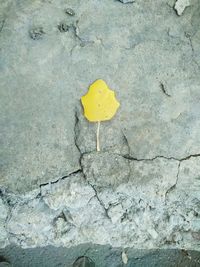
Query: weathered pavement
x=143 y=189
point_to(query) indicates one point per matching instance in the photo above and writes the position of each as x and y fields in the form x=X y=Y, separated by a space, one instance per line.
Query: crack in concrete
x=2 y=24
x=170 y=6
x=75 y=133
x=62 y=178
x=126 y=142
x=95 y=191
x=188 y=36
x=178 y=39
x=160 y=156
x=133 y=46
x=79 y=170
x=175 y=184
x=99 y=200
x=127 y=157
x=81 y=166
x=81 y=42
x=162 y=87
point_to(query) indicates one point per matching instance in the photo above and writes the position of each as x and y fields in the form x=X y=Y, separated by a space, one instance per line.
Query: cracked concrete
x=73 y=206
x=142 y=189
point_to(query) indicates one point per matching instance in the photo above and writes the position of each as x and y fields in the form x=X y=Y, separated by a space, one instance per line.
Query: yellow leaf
x=99 y=103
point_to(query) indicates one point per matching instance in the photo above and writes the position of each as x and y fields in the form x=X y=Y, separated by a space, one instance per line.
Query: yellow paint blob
x=99 y=103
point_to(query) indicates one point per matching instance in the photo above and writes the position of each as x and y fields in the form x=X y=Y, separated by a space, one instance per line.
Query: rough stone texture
x=146 y=211
x=142 y=189
x=3 y=217
x=104 y=170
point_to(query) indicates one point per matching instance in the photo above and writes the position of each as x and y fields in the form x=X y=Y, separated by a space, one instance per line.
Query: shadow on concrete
x=102 y=256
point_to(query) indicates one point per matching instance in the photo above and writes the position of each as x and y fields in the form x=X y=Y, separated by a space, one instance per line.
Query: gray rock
x=70 y=11
x=126 y=1
x=180 y=6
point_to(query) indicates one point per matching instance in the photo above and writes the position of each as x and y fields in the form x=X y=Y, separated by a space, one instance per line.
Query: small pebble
x=124 y=258
x=70 y=11
x=126 y=1
x=181 y=5
x=63 y=27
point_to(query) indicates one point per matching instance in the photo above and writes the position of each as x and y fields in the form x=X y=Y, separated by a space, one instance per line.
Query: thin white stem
x=98 y=127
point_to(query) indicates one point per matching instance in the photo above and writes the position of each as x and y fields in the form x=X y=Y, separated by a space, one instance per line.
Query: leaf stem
x=98 y=128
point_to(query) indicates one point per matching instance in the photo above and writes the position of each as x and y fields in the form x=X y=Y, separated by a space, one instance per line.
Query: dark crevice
x=99 y=200
x=129 y=157
x=81 y=166
x=164 y=157
x=76 y=125
x=8 y=198
x=162 y=86
x=96 y=195
x=2 y=25
x=189 y=37
x=62 y=178
x=95 y=191
x=74 y=28
x=190 y=156
x=81 y=42
x=170 y=6
x=127 y=143
x=174 y=185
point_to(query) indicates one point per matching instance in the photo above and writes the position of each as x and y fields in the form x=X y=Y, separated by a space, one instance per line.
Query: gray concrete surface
x=102 y=256
x=142 y=190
